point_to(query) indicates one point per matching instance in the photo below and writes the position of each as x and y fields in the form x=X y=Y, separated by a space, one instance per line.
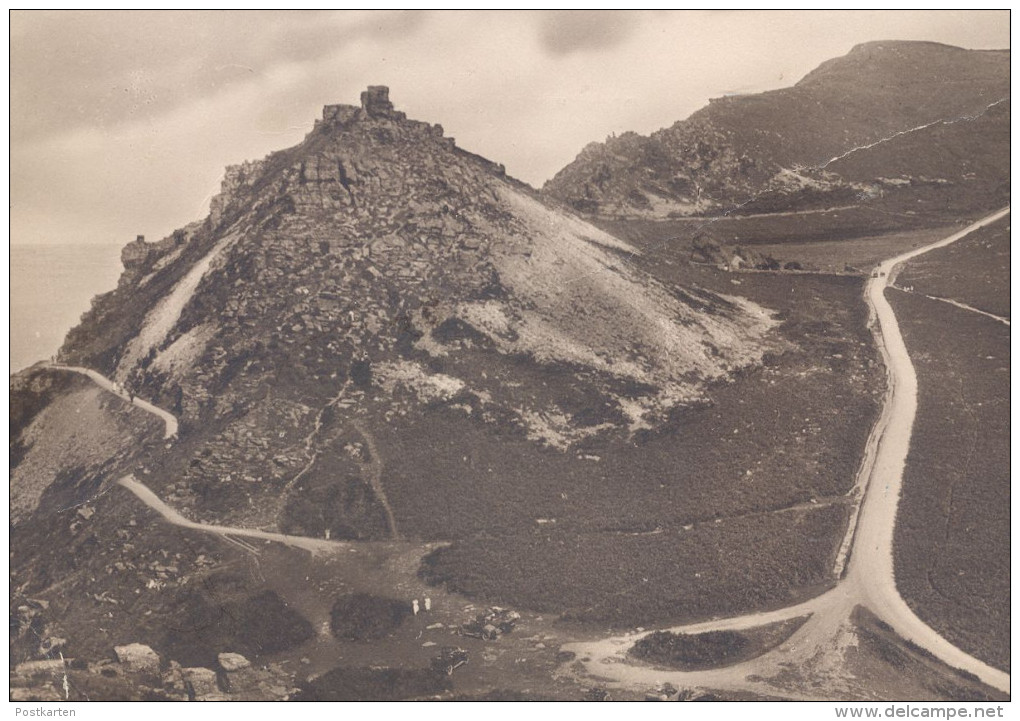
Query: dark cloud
x=80 y=68
x=563 y=32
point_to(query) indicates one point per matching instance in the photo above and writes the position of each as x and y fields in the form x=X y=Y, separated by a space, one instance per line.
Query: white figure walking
x=428 y=604
x=414 y=606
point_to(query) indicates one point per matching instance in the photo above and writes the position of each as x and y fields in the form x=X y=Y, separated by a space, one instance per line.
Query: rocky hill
x=826 y=142
x=373 y=274
x=380 y=344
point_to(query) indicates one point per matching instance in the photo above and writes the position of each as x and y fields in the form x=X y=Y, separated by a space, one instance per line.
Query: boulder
x=203 y=682
x=233 y=662
x=137 y=657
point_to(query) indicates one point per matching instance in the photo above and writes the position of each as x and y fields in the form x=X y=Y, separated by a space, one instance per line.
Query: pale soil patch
x=177 y=358
x=75 y=430
x=426 y=386
x=161 y=319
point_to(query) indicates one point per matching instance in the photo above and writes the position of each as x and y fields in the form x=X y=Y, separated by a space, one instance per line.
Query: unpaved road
x=169 y=419
x=150 y=499
x=816 y=649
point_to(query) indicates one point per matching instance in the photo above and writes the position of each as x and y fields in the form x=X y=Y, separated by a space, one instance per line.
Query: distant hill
x=923 y=115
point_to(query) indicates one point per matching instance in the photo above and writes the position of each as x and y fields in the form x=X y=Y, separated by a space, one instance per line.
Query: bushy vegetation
x=713 y=649
x=620 y=579
x=221 y=617
x=974 y=270
x=691 y=651
x=363 y=617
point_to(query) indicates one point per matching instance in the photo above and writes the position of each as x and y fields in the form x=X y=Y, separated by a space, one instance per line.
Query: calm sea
x=51 y=287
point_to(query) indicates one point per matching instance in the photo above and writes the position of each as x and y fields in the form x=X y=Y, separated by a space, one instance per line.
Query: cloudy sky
x=121 y=123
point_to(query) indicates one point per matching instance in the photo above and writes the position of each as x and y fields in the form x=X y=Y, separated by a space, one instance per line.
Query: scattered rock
x=491 y=624
x=31 y=668
x=203 y=682
x=40 y=693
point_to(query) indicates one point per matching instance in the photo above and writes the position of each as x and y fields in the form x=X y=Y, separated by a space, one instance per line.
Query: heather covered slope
x=775 y=149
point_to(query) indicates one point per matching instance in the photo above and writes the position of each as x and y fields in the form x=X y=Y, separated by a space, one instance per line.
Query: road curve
x=168 y=418
x=150 y=499
x=869 y=579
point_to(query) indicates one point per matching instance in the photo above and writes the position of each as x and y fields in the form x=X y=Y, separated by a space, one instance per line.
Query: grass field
x=974 y=270
x=861 y=253
x=953 y=528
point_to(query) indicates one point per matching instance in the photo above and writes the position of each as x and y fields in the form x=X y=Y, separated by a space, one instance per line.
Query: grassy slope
x=782 y=435
x=974 y=270
x=952 y=537
x=887 y=667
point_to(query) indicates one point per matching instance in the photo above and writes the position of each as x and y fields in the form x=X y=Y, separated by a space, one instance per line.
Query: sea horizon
x=52 y=285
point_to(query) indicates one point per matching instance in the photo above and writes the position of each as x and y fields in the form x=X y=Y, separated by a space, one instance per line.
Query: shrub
x=703 y=650
x=362 y=616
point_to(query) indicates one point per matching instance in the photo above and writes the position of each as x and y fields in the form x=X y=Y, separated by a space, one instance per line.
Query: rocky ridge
x=774 y=151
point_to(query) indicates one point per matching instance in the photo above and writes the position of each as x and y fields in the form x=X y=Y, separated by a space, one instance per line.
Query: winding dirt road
x=816 y=649
x=313 y=545
x=150 y=499
x=168 y=418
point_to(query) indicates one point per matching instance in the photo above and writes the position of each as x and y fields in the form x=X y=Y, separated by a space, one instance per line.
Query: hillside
x=376 y=271
x=378 y=342
x=856 y=130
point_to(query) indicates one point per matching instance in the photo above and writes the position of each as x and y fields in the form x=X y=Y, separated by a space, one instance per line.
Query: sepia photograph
x=505 y=356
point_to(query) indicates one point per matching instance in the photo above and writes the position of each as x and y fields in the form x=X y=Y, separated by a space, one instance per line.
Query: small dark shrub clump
x=362 y=616
x=703 y=650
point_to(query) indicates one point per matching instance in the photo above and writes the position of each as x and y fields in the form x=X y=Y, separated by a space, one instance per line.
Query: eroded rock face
x=376 y=101
x=135 y=254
